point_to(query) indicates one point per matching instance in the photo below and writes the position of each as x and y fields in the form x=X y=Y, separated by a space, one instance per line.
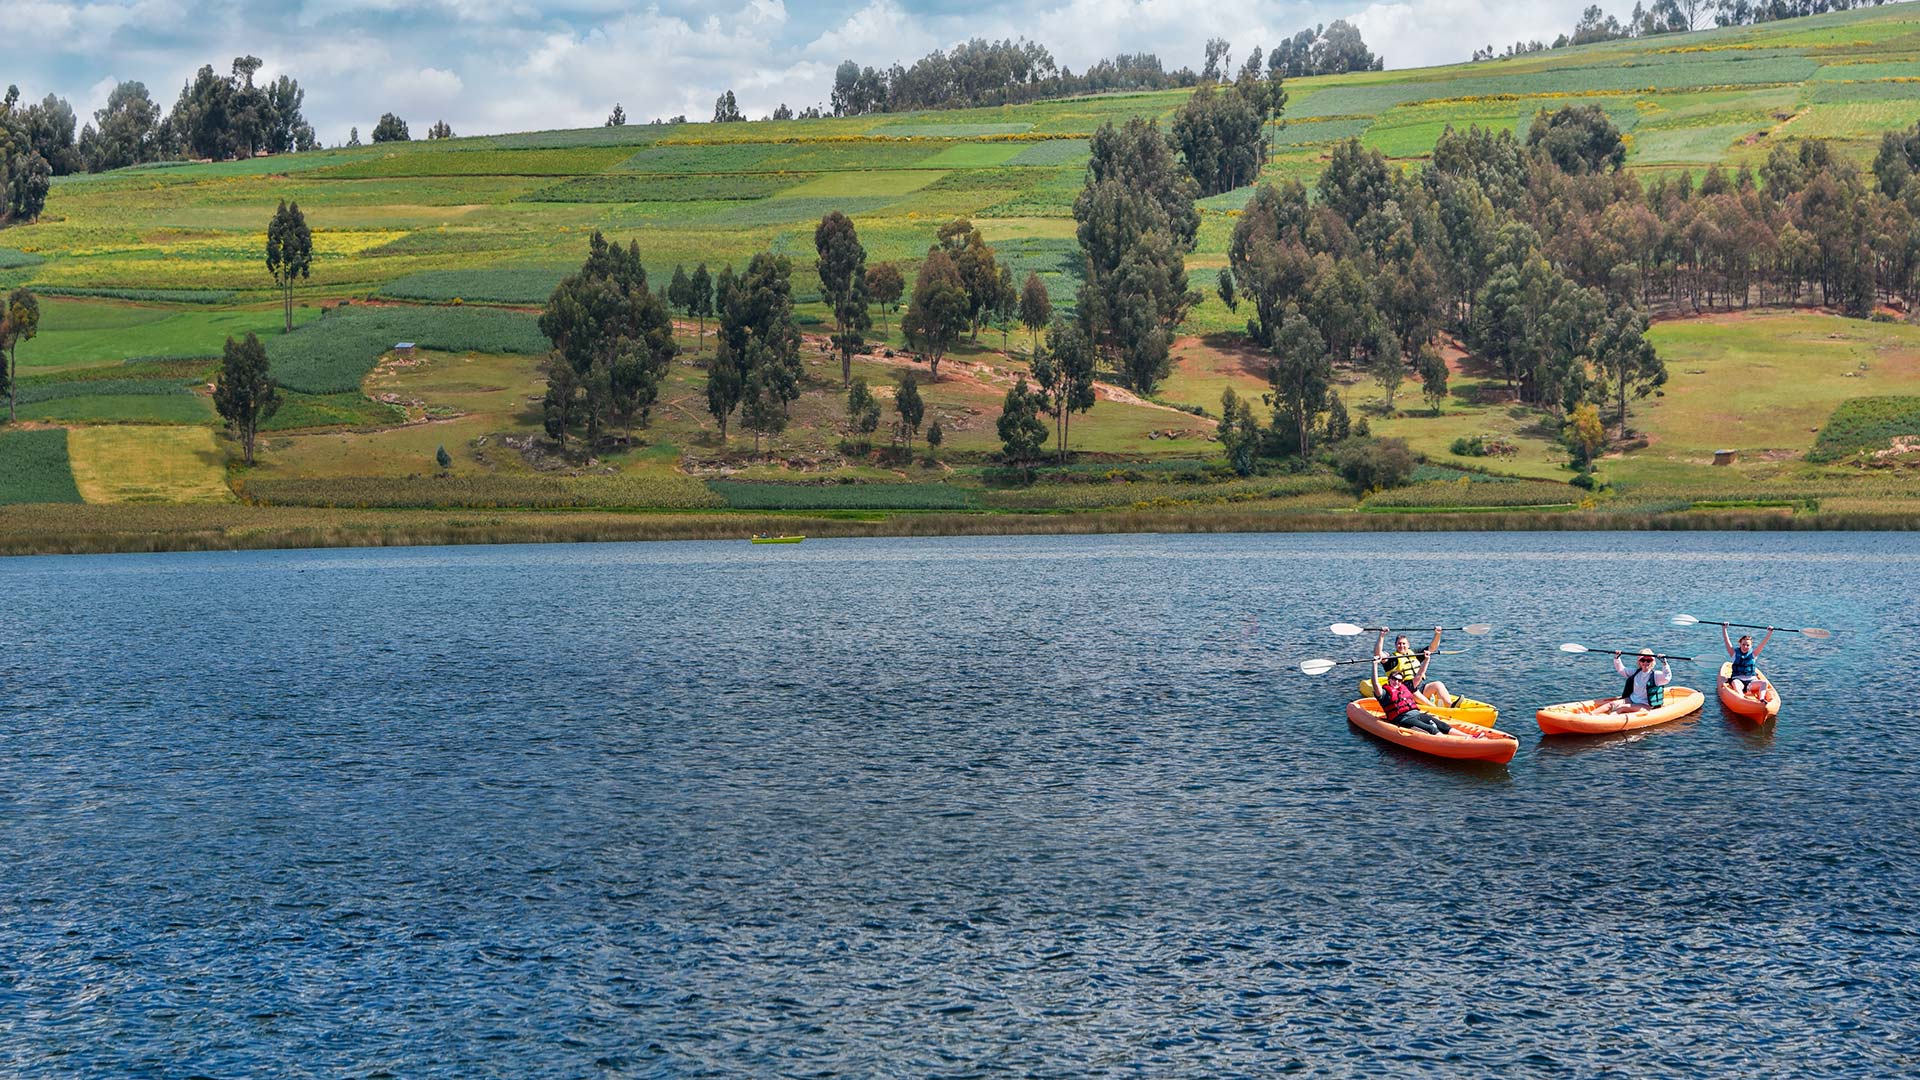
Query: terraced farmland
x=144 y=272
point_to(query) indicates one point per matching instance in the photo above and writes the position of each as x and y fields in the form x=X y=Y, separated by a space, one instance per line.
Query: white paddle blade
x=1571 y=647
x=1316 y=667
x=1685 y=620
x=1346 y=629
x=1477 y=629
x=1814 y=632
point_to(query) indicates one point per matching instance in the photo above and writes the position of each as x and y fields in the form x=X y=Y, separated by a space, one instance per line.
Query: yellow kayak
x=1465 y=710
x=778 y=539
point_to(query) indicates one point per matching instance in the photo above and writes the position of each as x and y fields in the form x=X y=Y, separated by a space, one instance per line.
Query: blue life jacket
x=1744 y=666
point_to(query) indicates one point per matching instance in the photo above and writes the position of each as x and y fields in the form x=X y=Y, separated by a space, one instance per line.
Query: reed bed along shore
x=76 y=529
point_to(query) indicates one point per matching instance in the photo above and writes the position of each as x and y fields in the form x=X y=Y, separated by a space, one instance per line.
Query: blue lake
x=1022 y=806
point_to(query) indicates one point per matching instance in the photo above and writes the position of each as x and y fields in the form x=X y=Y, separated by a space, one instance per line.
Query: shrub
x=1470 y=446
x=1583 y=433
x=1373 y=464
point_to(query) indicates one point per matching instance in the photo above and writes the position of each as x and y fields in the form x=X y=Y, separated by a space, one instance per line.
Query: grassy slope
x=500 y=218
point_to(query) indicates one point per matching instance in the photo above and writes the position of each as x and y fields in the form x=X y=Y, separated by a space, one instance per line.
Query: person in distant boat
x=1646 y=683
x=1745 y=675
x=1398 y=703
x=1404 y=665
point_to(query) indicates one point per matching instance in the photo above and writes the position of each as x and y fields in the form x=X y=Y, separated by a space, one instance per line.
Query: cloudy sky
x=512 y=65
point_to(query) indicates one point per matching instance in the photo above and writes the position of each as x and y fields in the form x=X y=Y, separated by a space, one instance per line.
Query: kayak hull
x=1467 y=741
x=1582 y=717
x=1745 y=707
x=1466 y=710
x=778 y=539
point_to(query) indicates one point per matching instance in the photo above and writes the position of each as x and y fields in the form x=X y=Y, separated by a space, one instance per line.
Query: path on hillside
x=979 y=373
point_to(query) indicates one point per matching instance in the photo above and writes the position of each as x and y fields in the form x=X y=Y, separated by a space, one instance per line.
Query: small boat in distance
x=763 y=538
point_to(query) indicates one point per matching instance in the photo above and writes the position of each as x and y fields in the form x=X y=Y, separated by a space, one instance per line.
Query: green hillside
x=143 y=272
x=497 y=218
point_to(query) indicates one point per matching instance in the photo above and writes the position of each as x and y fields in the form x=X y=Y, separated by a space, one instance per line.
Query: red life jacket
x=1396 y=698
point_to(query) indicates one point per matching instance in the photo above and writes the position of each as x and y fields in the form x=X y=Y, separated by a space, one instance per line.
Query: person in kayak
x=1646 y=684
x=1745 y=676
x=1398 y=703
x=1404 y=665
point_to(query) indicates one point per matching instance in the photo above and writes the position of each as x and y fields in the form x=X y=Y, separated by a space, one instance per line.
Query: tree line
x=1546 y=258
x=980 y=72
x=216 y=116
x=1673 y=17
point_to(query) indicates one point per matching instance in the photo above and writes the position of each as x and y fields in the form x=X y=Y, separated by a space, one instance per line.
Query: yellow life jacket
x=1402 y=666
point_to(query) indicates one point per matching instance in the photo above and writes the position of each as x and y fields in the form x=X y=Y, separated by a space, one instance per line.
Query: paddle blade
x=1814 y=632
x=1346 y=629
x=1316 y=667
x=1685 y=620
x=1476 y=629
x=1571 y=647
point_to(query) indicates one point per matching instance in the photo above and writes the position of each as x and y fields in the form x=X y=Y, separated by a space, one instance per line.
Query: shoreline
x=80 y=529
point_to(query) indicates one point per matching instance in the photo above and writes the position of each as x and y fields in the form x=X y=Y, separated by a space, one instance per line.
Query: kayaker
x=1404 y=665
x=1398 y=704
x=1646 y=686
x=1745 y=675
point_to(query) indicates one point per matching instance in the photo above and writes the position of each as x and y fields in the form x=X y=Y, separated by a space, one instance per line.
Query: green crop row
x=37 y=470
x=333 y=353
x=148 y=296
x=346 y=409
x=1866 y=423
x=1100 y=496
x=1053 y=152
x=500 y=284
x=13 y=260
x=640 y=187
x=66 y=388
x=751 y=495
x=574 y=161
x=787 y=210
x=653 y=491
x=1463 y=494
x=626 y=135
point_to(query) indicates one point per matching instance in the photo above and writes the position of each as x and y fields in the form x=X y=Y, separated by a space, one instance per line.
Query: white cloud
x=879 y=32
x=1447 y=31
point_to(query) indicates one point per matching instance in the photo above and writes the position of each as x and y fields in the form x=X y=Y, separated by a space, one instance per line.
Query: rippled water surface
x=1032 y=806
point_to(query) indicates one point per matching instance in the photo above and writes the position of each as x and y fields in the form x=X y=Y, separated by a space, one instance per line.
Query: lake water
x=1024 y=806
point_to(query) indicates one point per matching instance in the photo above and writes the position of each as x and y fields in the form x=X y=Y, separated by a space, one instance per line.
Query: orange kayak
x=1467 y=742
x=1748 y=708
x=1589 y=717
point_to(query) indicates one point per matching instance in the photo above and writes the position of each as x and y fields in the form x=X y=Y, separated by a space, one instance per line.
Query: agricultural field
x=37 y=469
x=143 y=274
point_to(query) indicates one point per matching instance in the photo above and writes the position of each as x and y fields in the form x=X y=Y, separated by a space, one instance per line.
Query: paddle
x=1809 y=631
x=1349 y=630
x=1321 y=667
x=1570 y=647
